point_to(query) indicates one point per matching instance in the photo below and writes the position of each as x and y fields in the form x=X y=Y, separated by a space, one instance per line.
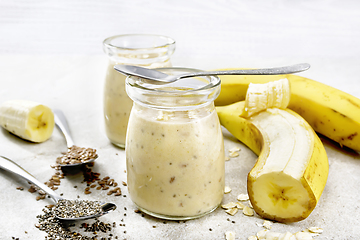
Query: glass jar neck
x=185 y=94
x=153 y=63
x=139 y=49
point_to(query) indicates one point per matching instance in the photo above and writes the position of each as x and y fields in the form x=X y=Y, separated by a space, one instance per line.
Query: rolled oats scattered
x=267 y=224
x=262 y=234
x=232 y=211
x=303 y=236
x=227 y=189
x=315 y=230
x=229 y=205
x=248 y=211
x=239 y=205
x=252 y=238
x=230 y=235
x=233 y=154
x=272 y=235
x=267 y=234
x=287 y=236
x=235 y=149
x=243 y=197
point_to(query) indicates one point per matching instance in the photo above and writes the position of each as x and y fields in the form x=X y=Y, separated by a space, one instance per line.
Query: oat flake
x=230 y=236
x=227 y=189
x=248 y=211
x=243 y=197
x=232 y=211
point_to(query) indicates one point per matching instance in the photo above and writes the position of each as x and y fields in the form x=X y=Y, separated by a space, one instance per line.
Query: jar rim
x=214 y=81
x=184 y=94
x=168 y=41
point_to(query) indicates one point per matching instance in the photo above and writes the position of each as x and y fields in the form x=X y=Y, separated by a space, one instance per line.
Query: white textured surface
x=50 y=51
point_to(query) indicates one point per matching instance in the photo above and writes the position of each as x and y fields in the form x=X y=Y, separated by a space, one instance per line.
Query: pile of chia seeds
x=76 y=208
x=56 y=230
x=85 y=230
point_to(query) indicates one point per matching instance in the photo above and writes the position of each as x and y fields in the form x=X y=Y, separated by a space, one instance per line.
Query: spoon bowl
x=105 y=208
x=61 y=124
x=10 y=166
x=158 y=77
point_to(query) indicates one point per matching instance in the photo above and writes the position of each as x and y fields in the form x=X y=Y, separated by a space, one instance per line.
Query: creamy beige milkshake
x=150 y=51
x=117 y=106
x=175 y=161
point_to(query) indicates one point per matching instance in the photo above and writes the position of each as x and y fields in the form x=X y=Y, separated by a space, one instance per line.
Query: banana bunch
x=292 y=167
x=329 y=111
x=29 y=120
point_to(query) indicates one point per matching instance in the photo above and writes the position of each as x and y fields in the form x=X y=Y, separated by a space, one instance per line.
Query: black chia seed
x=76 y=208
x=55 y=230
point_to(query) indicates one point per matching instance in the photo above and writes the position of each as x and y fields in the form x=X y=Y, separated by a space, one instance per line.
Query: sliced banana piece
x=274 y=94
x=29 y=120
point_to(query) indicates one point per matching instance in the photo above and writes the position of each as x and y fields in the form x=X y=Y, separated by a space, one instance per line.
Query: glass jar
x=150 y=51
x=174 y=147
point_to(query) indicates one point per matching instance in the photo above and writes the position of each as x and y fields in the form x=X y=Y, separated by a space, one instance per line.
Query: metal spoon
x=160 y=78
x=61 y=123
x=9 y=165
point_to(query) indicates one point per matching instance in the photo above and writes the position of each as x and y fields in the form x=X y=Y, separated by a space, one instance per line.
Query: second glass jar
x=174 y=147
x=150 y=51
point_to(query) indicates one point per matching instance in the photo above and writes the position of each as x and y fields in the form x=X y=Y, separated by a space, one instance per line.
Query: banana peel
x=292 y=166
x=330 y=111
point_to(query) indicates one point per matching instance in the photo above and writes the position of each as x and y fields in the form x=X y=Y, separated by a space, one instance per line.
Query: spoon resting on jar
x=158 y=77
x=80 y=209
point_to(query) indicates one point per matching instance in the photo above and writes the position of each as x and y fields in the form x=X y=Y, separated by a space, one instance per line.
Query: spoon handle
x=9 y=165
x=61 y=123
x=264 y=71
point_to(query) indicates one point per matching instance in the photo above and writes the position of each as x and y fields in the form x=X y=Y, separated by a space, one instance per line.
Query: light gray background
x=51 y=52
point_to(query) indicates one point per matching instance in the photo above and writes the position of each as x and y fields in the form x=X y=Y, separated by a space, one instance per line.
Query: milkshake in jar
x=174 y=147
x=150 y=51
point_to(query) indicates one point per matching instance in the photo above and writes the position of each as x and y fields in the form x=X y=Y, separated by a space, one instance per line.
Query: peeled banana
x=29 y=120
x=292 y=167
x=331 y=112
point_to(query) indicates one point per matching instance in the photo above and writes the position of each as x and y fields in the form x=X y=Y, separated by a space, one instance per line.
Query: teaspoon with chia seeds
x=61 y=123
x=158 y=77
x=100 y=208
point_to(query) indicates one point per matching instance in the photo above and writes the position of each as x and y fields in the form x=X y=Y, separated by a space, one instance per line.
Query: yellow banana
x=292 y=167
x=331 y=112
x=29 y=120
